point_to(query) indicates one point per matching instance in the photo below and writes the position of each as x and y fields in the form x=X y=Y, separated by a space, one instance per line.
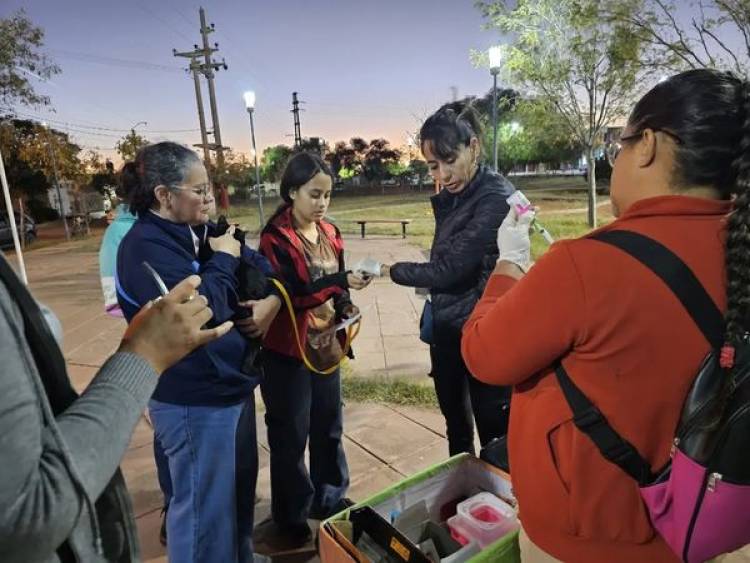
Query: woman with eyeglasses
x=681 y=178
x=203 y=409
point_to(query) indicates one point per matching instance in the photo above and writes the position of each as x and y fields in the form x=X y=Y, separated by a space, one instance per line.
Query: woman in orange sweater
x=621 y=334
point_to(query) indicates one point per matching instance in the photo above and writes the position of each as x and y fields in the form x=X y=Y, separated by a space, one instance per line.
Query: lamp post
x=132 y=129
x=132 y=134
x=495 y=54
x=250 y=106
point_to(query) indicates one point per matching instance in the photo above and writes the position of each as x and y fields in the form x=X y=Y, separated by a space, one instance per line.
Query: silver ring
x=189 y=299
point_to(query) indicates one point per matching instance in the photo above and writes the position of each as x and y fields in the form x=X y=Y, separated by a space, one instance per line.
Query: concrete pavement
x=383 y=443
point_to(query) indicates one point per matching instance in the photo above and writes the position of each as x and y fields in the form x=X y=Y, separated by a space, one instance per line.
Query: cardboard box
x=460 y=476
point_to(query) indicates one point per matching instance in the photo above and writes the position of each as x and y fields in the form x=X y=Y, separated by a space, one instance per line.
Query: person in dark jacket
x=468 y=212
x=203 y=408
x=307 y=253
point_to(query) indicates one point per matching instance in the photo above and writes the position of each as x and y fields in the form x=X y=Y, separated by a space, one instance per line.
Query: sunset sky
x=363 y=68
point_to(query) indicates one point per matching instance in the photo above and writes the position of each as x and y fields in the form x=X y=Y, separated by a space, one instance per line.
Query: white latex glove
x=513 y=240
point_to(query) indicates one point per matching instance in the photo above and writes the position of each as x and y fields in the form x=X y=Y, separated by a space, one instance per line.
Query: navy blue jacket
x=211 y=374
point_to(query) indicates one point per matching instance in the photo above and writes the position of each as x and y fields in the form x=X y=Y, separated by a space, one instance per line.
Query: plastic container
x=483 y=518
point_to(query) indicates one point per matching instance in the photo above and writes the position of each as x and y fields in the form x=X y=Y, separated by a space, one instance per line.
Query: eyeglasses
x=203 y=190
x=613 y=148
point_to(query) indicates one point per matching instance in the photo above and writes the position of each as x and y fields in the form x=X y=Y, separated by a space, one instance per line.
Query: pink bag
x=698 y=513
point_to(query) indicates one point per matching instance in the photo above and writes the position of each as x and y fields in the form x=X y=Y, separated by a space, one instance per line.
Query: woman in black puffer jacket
x=468 y=212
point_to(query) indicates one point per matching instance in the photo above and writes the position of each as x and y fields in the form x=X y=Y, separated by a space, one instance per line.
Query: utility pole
x=195 y=69
x=61 y=207
x=207 y=69
x=295 y=111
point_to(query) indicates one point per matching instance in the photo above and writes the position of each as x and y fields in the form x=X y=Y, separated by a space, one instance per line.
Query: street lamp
x=496 y=55
x=249 y=97
x=132 y=129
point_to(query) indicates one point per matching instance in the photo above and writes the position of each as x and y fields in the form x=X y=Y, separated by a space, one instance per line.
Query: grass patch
x=393 y=391
x=564 y=226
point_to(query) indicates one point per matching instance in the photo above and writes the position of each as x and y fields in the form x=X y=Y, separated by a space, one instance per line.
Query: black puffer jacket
x=464 y=251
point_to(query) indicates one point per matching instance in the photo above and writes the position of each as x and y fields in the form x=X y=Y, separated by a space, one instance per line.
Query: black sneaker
x=270 y=537
x=322 y=514
x=163 y=531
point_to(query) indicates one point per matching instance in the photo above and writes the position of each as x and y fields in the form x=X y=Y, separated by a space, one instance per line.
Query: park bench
x=403 y=222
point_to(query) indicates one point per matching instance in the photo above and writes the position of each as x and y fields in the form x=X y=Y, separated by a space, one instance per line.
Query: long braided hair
x=738 y=233
x=709 y=112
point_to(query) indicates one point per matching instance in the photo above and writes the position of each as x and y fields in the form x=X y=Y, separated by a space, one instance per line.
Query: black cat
x=252 y=285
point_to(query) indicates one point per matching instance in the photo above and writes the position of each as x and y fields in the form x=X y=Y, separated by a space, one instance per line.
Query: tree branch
x=702 y=37
x=659 y=40
x=739 y=21
x=676 y=28
x=722 y=45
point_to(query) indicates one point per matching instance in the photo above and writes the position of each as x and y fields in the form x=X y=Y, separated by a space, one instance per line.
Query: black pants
x=302 y=405
x=464 y=400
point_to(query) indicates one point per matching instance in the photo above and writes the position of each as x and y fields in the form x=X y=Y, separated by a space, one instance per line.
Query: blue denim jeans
x=301 y=405
x=213 y=466
x=162 y=472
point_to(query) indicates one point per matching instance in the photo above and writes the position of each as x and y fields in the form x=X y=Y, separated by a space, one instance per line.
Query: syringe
x=522 y=205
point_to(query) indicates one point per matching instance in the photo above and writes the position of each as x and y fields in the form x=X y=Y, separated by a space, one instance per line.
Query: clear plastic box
x=483 y=518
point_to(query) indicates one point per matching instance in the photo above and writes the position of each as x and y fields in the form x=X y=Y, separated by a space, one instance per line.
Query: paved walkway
x=383 y=443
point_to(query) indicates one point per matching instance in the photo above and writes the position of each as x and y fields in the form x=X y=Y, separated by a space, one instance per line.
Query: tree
x=22 y=177
x=273 y=162
x=530 y=133
x=575 y=61
x=343 y=158
x=20 y=58
x=377 y=157
x=700 y=44
x=419 y=169
x=238 y=171
x=129 y=145
x=507 y=98
x=399 y=170
x=102 y=177
x=36 y=156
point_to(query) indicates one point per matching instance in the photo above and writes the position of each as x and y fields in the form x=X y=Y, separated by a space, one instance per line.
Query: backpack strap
x=697 y=302
x=676 y=275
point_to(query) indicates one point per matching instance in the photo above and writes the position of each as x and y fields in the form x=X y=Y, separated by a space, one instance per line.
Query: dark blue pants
x=213 y=465
x=301 y=405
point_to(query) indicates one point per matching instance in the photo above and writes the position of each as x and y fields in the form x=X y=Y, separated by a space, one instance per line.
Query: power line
x=162 y=20
x=180 y=13
x=97 y=148
x=112 y=61
x=95 y=127
x=338 y=105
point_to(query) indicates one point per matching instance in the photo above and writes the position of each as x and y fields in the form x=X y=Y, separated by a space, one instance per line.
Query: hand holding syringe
x=522 y=205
